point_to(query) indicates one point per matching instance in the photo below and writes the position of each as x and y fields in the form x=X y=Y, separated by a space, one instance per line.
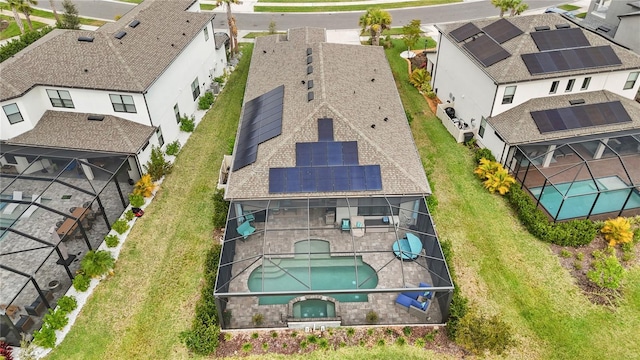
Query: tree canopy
x=375 y=21
x=515 y=7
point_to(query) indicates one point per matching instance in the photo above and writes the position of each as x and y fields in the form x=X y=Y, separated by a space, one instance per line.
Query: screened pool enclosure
x=594 y=178
x=56 y=205
x=297 y=261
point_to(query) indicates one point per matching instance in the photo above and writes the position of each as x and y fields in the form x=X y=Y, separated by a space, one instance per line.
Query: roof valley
x=124 y=63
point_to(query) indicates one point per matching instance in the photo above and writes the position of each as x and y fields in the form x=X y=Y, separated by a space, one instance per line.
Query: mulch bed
x=289 y=341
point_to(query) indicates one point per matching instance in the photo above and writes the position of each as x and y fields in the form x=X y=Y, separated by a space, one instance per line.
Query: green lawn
x=255 y=34
x=568 y=7
x=323 y=8
x=14 y=30
x=207 y=7
x=304 y=1
x=49 y=15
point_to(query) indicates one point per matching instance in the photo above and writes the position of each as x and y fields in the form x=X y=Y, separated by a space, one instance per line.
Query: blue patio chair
x=345 y=225
x=245 y=229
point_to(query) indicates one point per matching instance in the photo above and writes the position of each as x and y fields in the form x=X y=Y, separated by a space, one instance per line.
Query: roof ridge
x=123 y=133
x=120 y=58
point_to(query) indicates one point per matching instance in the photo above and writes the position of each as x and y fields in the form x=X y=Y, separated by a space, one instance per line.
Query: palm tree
x=503 y=5
x=233 y=32
x=15 y=5
x=487 y=167
x=516 y=7
x=375 y=20
x=25 y=7
x=55 y=13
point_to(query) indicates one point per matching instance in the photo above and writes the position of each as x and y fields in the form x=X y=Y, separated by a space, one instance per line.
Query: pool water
x=333 y=273
x=580 y=196
x=314 y=308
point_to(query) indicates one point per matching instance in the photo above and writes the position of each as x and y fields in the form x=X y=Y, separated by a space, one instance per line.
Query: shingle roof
x=516 y=126
x=513 y=69
x=130 y=64
x=353 y=85
x=113 y=134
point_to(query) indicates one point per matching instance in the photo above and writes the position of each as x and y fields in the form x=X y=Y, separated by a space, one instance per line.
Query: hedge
x=16 y=45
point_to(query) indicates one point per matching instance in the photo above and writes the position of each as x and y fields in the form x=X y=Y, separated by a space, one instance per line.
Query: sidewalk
x=50 y=22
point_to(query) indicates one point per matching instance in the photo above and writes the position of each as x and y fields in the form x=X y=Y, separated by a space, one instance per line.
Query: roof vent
x=562 y=26
x=309 y=59
x=95 y=117
x=309 y=69
x=310 y=96
x=119 y=35
x=542 y=28
x=603 y=28
x=309 y=51
x=576 y=102
x=134 y=23
x=310 y=84
x=85 y=38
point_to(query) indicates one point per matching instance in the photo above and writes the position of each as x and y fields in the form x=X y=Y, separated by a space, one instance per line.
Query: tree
x=25 y=7
x=516 y=7
x=375 y=21
x=55 y=13
x=411 y=33
x=15 y=5
x=231 y=21
x=70 y=19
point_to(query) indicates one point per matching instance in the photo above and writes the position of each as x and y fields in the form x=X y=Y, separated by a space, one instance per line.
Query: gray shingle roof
x=131 y=64
x=513 y=68
x=113 y=134
x=344 y=91
x=516 y=126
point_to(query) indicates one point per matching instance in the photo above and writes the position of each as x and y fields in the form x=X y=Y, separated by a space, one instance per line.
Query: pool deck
x=374 y=247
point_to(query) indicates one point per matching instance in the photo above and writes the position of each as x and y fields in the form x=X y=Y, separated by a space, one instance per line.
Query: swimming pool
x=314 y=308
x=295 y=274
x=580 y=196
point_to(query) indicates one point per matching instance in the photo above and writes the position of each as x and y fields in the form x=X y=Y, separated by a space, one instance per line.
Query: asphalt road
x=93 y=8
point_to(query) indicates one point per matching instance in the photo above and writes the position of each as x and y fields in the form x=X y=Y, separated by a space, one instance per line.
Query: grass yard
x=255 y=34
x=323 y=8
x=207 y=7
x=49 y=15
x=303 y=1
x=13 y=29
x=568 y=7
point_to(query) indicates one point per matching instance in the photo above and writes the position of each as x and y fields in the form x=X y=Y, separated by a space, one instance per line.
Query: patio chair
x=408 y=302
x=32 y=208
x=245 y=229
x=346 y=226
x=17 y=195
x=357 y=226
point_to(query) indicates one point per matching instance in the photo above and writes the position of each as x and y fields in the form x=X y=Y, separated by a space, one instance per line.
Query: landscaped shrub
x=111 y=240
x=372 y=317
x=257 y=319
x=45 y=337
x=173 y=148
x=483 y=153
x=137 y=200
x=220 y=209
x=14 y=46
x=478 y=333
x=81 y=282
x=96 y=263
x=120 y=226
x=129 y=215
x=204 y=334
x=617 y=231
x=419 y=78
x=157 y=166
x=55 y=319
x=67 y=304
x=494 y=176
x=607 y=271
x=205 y=101
x=5 y=351
x=187 y=124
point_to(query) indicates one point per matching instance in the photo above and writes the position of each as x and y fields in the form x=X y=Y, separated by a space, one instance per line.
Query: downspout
x=435 y=69
x=146 y=105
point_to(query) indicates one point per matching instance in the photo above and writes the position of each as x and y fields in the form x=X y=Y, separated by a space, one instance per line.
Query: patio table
x=70 y=224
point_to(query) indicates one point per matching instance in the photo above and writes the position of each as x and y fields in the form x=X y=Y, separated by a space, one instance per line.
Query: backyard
x=140 y=311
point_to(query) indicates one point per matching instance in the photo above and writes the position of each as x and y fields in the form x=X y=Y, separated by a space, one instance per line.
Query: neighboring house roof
x=129 y=64
x=112 y=134
x=513 y=68
x=221 y=39
x=354 y=86
x=516 y=126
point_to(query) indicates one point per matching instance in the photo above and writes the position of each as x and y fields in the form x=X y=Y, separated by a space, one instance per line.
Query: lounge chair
x=416 y=294
x=407 y=248
x=32 y=208
x=357 y=226
x=346 y=225
x=408 y=302
x=17 y=195
x=245 y=229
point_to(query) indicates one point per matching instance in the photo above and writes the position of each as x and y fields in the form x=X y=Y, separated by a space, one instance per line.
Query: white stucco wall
x=628 y=31
x=459 y=76
x=31 y=107
x=492 y=142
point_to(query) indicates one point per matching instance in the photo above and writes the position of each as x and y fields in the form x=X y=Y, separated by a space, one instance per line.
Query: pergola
x=57 y=204
x=300 y=249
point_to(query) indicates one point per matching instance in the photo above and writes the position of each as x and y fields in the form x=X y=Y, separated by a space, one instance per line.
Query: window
x=195 y=89
x=585 y=83
x=375 y=207
x=13 y=113
x=206 y=34
x=554 y=87
x=570 y=85
x=631 y=80
x=176 y=111
x=123 y=103
x=60 y=98
x=483 y=125
x=508 y=94
x=160 y=137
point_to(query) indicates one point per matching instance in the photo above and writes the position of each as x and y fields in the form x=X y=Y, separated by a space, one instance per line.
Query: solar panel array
x=486 y=50
x=570 y=59
x=464 y=32
x=262 y=120
x=577 y=117
x=559 y=39
x=327 y=153
x=502 y=30
x=325 y=179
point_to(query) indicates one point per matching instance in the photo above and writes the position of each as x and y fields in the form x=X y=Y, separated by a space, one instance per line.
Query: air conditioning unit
x=215 y=88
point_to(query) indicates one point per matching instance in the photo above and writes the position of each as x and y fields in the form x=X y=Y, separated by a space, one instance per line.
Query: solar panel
x=570 y=59
x=261 y=121
x=502 y=30
x=334 y=153
x=486 y=50
x=325 y=129
x=350 y=153
x=325 y=179
x=577 y=117
x=559 y=39
x=464 y=32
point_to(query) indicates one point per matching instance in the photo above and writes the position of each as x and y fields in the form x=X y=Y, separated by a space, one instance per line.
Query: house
x=80 y=113
x=553 y=101
x=328 y=219
x=618 y=20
